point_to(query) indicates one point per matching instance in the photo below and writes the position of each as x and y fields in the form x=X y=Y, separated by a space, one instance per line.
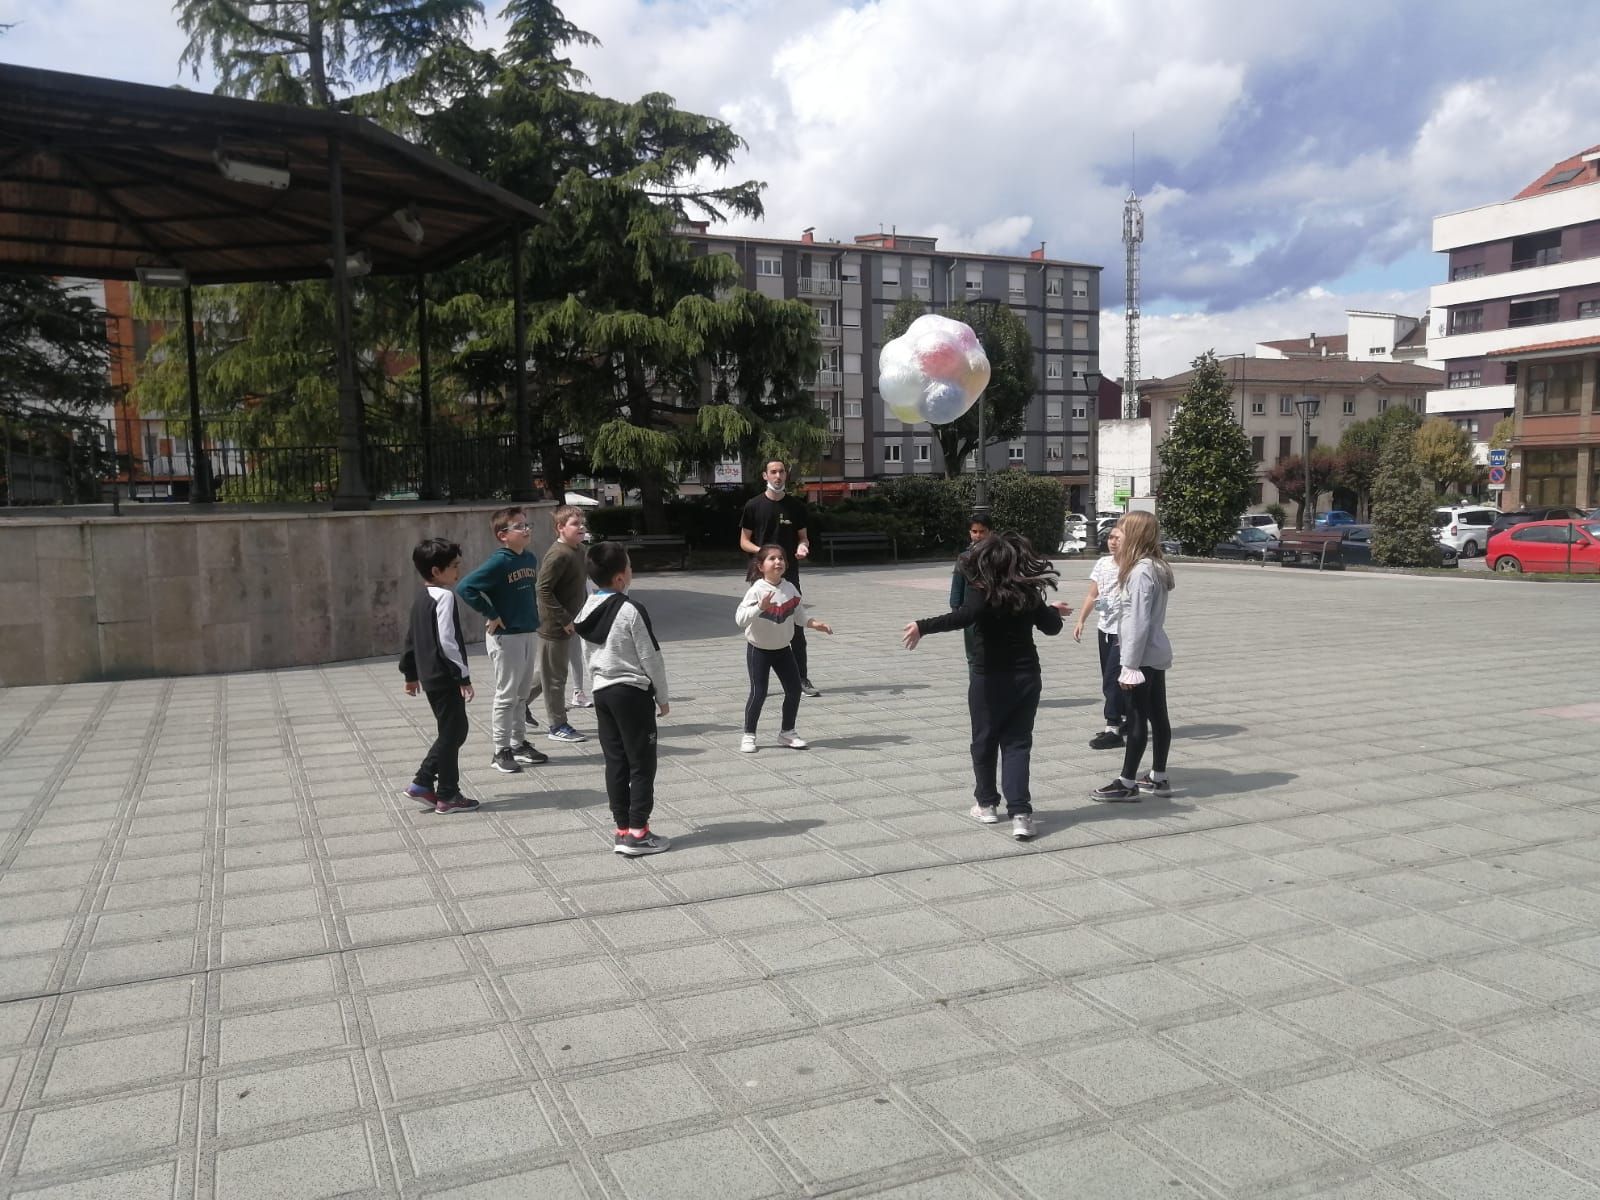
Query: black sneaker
x=527 y=754
x=1162 y=787
x=1115 y=793
x=527 y=715
x=1106 y=740
x=505 y=761
x=808 y=688
x=637 y=847
x=454 y=804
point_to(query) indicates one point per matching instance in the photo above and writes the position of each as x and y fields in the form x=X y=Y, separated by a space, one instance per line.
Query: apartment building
x=1264 y=391
x=853 y=288
x=1522 y=273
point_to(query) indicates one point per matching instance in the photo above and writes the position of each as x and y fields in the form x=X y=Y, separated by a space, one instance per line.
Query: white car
x=1261 y=521
x=1075 y=536
x=1465 y=528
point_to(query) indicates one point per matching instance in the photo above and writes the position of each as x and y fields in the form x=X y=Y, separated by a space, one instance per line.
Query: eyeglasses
x=522 y=528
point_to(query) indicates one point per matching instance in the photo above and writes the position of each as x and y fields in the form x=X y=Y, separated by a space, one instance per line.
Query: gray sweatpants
x=516 y=674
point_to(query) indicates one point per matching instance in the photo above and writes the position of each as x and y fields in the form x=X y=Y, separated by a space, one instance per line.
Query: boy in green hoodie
x=502 y=589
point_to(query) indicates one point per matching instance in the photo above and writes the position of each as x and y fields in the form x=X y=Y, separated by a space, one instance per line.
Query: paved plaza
x=1354 y=956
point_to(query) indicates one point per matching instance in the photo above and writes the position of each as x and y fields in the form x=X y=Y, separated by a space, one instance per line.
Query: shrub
x=1279 y=514
x=1033 y=505
x=930 y=507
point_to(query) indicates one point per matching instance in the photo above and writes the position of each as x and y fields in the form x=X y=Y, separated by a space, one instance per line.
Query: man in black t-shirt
x=780 y=519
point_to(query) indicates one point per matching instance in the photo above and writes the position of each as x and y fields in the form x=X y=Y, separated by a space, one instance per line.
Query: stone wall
x=175 y=593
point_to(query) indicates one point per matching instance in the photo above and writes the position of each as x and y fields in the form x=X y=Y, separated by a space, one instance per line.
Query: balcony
x=809 y=286
x=829 y=379
x=1547 y=257
x=829 y=333
x=1471 y=399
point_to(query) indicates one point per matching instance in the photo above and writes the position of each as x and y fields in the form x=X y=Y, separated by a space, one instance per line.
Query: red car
x=1560 y=547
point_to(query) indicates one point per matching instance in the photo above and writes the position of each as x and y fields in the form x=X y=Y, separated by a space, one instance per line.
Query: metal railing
x=809 y=286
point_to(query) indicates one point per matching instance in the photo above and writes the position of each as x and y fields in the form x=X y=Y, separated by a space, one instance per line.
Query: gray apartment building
x=854 y=286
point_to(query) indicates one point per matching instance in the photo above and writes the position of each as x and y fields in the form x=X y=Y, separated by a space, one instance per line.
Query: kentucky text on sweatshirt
x=503 y=587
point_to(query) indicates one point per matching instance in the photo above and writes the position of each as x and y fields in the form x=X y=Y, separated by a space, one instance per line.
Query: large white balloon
x=933 y=372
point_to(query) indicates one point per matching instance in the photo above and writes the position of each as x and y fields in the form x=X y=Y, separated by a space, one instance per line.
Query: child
x=561 y=594
x=630 y=690
x=979 y=526
x=769 y=614
x=435 y=660
x=1005 y=600
x=1144 y=578
x=502 y=589
x=1104 y=598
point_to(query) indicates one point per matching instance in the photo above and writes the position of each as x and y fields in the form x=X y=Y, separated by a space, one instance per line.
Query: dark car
x=1510 y=520
x=1337 y=517
x=1249 y=544
x=1356 y=548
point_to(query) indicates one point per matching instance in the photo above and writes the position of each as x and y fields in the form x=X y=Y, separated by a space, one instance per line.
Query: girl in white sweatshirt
x=768 y=614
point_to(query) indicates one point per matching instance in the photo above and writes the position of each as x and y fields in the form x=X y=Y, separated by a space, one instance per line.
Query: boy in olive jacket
x=561 y=594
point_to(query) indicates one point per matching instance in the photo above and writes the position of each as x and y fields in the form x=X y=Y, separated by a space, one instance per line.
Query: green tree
x=1402 y=507
x=1360 y=448
x=53 y=348
x=1444 y=452
x=1005 y=341
x=1504 y=430
x=1206 y=468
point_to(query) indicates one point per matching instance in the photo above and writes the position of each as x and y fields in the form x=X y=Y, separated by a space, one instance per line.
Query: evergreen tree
x=1005 y=340
x=1360 y=448
x=1206 y=469
x=53 y=349
x=1444 y=452
x=1402 y=507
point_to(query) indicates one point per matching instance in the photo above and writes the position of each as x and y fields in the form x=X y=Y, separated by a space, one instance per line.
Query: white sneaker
x=989 y=814
x=747 y=744
x=791 y=739
x=580 y=700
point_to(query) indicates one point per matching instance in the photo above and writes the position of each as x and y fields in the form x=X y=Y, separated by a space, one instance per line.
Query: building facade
x=1555 y=446
x=1522 y=272
x=853 y=288
x=1264 y=391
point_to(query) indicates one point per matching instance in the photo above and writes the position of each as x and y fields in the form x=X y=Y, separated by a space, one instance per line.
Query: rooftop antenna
x=1132 y=236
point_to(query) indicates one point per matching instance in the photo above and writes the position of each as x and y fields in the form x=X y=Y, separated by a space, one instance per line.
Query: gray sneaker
x=1022 y=827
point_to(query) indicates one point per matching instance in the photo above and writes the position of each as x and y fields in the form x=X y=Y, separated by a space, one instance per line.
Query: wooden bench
x=1319 y=548
x=656 y=541
x=859 y=541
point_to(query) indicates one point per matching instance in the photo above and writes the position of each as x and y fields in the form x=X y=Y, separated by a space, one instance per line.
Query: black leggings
x=760 y=664
x=1147 y=722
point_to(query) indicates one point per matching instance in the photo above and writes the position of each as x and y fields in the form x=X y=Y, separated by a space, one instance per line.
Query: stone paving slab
x=1355 y=955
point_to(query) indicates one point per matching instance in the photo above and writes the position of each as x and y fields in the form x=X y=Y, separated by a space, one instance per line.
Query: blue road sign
x=1497 y=458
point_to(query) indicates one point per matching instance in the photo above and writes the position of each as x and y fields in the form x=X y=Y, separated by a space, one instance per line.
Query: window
x=1467 y=425
x=852 y=318
x=1375 y=351
x=852 y=454
x=1286 y=406
x=1052 y=286
x=1536 y=250
x=1016 y=452
x=1258 y=406
x=850 y=272
x=1511 y=372
x=919 y=278
x=924 y=452
x=1383 y=404
x=974 y=279
x=1054 y=329
x=1553 y=387
x=1466 y=320
x=852 y=408
x=1255 y=492
x=1589 y=308
x=1349 y=407
x=1419 y=404
x=767 y=265
x=824 y=315
x=1466 y=271
x=891 y=452
x=1019 y=283
x=1468 y=377
x=1052 y=368
x=1285 y=447
x=1080 y=458
x=1311 y=444
x=891 y=275
x=852 y=363
x=1534 y=312
x=1054 y=452
x=1080 y=290
x=1258 y=449
x=1080 y=412
x=1053 y=411
x=1080 y=330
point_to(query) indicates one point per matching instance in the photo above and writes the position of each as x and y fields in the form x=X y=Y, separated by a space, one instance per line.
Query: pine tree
x=1402 y=507
x=53 y=349
x=1206 y=469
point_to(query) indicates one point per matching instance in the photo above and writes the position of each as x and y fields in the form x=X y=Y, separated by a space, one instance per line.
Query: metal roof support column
x=522 y=483
x=352 y=491
x=199 y=463
x=430 y=485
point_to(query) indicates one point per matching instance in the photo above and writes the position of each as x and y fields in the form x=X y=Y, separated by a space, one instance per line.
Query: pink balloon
x=940 y=359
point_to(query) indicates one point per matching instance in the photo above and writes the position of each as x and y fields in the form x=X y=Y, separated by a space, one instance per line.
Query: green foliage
x=1005 y=341
x=1504 y=430
x=1032 y=505
x=53 y=349
x=1279 y=514
x=1444 y=452
x=1402 y=507
x=1206 y=469
x=929 y=505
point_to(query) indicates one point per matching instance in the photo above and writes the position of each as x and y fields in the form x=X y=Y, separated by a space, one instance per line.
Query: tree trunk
x=554 y=467
x=316 y=65
x=652 y=491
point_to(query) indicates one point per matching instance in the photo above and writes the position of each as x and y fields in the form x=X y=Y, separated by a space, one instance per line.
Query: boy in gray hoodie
x=629 y=689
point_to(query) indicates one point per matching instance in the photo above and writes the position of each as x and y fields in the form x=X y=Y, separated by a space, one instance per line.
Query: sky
x=1290 y=157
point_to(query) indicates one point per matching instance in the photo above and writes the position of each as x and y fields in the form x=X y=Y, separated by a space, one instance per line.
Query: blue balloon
x=943 y=402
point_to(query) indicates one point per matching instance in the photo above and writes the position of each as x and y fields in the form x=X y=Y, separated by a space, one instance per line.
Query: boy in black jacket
x=435 y=660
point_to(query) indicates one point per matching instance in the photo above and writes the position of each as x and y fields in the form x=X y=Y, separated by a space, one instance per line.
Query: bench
x=1319 y=548
x=656 y=541
x=859 y=541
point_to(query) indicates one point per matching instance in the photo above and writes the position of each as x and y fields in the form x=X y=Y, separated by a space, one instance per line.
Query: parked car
x=1336 y=516
x=1262 y=521
x=1075 y=534
x=1510 y=520
x=1464 y=528
x=1554 y=546
x=1102 y=530
x=1249 y=543
x=1355 y=548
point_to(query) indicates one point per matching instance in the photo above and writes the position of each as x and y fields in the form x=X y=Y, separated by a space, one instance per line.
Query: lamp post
x=1308 y=406
x=981 y=498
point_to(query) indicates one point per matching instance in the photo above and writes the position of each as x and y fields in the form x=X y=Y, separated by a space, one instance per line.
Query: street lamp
x=1308 y=406
x=981 y=500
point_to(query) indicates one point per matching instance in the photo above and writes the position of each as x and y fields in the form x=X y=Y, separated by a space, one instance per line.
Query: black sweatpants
x=1116 y=708
x=441 y=768
x=760 y=663
x=626 y=717
x=1147 y=722
x=1003 y=705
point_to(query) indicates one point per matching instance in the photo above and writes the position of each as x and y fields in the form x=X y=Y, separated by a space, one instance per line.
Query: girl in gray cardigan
x=1145 y=581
